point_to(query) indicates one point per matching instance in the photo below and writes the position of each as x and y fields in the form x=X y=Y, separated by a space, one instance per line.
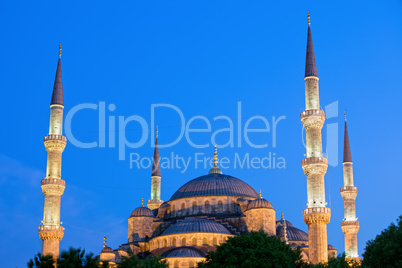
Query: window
x=157 y=244
x=183 y=241
x=176 y=264
x=173 y=242
x=183 y=208
x=204 y=241
x=194 y=207
x=206 y=207
x=194 y=241
x=215 y=242
x=164 y=244
x=220 y=206
x=191 y=264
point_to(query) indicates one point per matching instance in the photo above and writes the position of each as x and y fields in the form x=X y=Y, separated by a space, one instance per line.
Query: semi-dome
x=183 y=252
x=142 y=212
x=196 y=225
x=293 y=233
x=215 y=184
x=259 y=203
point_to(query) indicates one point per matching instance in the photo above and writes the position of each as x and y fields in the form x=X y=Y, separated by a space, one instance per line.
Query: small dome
x=294 y=234
x=107 y=249
x=184 y=252
x=331 y=247
x=259 y=203
x=215 y=184
x=142 y=212
x=196 y=225
x=288 y=223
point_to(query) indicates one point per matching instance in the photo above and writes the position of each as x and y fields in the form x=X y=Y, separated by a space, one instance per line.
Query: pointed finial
x=105 y=241
x=282 y=216
x=142 y=202
x=308 y=17
x=156 y=131
x=260 y=194
x=345 y=115
x=285 y=232
x=59 y=50
x=215 y=157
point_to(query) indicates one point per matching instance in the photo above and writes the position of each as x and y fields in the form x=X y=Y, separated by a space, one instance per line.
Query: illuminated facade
x=50 y=232
x=207 y=210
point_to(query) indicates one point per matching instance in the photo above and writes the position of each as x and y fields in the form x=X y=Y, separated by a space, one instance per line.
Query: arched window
x=183 y=209
x=173 y=242
x=194 y=241
x=192 y=264
x=176 y=264
x=206 y=206
x=173 y=210
x=204 y=241
x=157 y=244
x=215 y=242
x=194 y=207
x=183 y=241
x=164 y=244
x=220 y=206
x=233 y=207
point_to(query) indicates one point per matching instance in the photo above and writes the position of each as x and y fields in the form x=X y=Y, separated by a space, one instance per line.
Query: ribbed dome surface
x=142 y=212
x=196 y=226
x=292 y=232
x=184 y=252
x=288 y=223
x=259 y=203
x=215 y=184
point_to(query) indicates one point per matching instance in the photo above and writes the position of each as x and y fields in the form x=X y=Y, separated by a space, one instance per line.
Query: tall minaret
x=155 y=200
x=350 y=225
x=52 y=185
x=316 y=215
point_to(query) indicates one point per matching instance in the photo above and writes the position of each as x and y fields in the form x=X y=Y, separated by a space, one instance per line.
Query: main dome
x=196 y=225
x=215 y=184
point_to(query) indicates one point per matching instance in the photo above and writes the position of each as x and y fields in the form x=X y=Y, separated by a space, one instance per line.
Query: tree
x=76 y=258
x=132 y=261
x=386 y=249
x=338 y=262
x=254 y=249
x=40 y=261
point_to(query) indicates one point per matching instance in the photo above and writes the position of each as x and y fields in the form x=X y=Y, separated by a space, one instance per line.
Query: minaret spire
x=155 y=200
x=50 y=232
x=316 y=215
x=350 y=225
x=57 y=96
x=311 y=66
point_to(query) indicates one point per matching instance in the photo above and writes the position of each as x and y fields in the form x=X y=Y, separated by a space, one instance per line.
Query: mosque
x=206 y=211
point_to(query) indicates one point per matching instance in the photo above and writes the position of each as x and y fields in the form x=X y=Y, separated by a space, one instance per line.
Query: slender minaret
x=52 y=185
x=350 y=225
x=155 y=200
x=316 y=215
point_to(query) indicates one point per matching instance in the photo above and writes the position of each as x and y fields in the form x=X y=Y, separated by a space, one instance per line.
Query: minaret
x=350 y=225
x=52 y=185
x=155 y=200
x=316 y=215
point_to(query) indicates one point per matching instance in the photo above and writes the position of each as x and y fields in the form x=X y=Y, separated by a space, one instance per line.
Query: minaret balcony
x=53 y=186
x=350 y=227
x=317 y=215
x=349 y=192
x=55 y=137
x=312 y=118
x=315 y=165
x=51 y=232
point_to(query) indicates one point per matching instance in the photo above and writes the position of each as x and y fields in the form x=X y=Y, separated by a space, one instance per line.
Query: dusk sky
x=203 y=59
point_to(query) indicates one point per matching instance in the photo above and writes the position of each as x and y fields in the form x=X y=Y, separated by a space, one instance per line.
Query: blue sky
x=202 y=57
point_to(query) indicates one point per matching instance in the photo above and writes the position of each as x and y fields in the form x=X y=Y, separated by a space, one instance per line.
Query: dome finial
x=156 y=131
x=282 y=216
x=216 y=157
x=59 y=50
x=142 y=202
x=345 y=115
x=105 y=241
x=215 y=169
x=260 y=194
x=285 y=233
x=308 y=17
